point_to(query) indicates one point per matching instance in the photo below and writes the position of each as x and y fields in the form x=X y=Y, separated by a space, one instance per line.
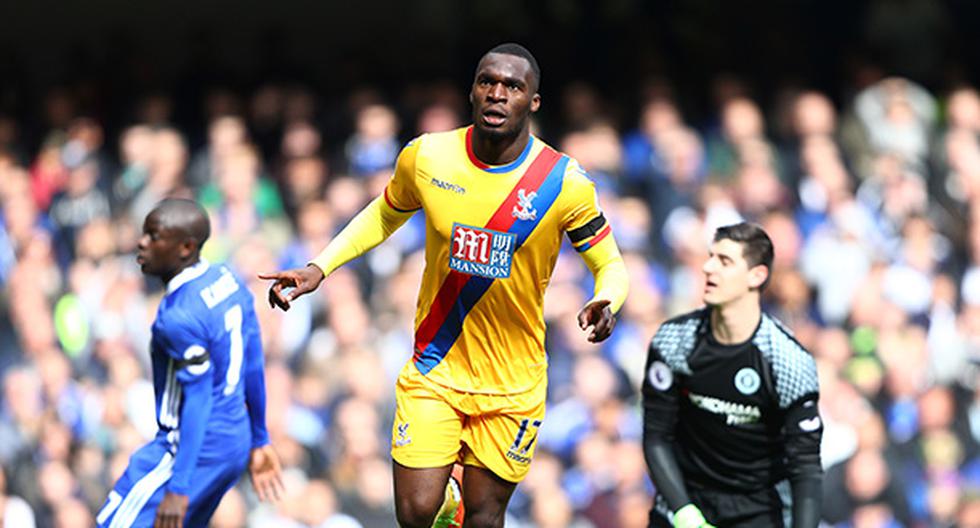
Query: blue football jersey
x=205 y=327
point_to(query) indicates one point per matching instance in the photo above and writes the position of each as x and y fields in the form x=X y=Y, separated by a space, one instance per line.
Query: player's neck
x=169 y=276
x=735 y=322
x=499 y=150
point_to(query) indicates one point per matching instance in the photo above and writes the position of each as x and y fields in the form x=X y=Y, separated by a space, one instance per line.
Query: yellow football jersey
x=493 y=234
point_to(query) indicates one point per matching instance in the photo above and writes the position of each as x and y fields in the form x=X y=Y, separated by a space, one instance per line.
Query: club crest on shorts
x=482 y=252
x=747 y=381
x=403 y=438
x=660 y=376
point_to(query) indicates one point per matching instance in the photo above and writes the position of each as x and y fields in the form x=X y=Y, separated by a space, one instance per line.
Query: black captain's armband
x=199 y=359
x=589 y=229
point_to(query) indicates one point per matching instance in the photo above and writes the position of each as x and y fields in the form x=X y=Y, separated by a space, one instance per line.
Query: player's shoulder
x=793 y=367
x=677 y=336
x=575 y=173
x=181 y=318
x=576 y=183
x=777 y=341
x=432 y=141
x=683 y=324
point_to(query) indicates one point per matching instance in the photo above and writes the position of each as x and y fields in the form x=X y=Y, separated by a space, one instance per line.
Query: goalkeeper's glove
x=690 y=517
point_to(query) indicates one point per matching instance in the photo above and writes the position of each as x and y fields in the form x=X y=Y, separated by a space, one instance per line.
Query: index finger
x=271 y=275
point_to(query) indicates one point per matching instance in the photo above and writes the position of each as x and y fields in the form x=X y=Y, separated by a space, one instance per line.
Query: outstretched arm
x=370 y=227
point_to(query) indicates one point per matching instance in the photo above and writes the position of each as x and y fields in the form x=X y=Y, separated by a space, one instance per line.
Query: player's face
x=727 y=275
x=160 y=249
x=503 y=95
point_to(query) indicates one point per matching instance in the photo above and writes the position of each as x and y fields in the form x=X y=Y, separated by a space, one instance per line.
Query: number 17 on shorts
x=527 y=433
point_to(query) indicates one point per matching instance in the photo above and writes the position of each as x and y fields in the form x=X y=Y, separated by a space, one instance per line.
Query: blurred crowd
x=872 y=201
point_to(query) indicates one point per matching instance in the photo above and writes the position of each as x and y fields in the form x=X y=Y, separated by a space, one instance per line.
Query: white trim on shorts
x=142 y=491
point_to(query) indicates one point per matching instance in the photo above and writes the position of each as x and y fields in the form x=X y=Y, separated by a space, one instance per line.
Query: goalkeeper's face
x=504 y=94
x=727 y=275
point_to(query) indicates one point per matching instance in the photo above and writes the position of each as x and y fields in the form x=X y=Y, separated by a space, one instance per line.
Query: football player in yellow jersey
x=497 y=202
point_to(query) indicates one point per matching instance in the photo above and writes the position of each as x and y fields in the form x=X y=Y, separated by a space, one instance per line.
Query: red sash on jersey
x=459 y=291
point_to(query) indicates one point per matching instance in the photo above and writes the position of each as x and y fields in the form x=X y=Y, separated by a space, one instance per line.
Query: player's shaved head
x=516 y=50
x=184 y=216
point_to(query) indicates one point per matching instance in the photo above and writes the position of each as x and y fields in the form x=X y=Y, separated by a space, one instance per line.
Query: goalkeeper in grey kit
x=731 y=426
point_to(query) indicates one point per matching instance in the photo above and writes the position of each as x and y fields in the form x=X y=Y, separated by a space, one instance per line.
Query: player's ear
x=187 y=248
x=758 y=275
x=535 y=102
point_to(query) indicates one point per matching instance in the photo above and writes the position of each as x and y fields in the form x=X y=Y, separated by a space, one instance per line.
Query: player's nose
x=498 y=92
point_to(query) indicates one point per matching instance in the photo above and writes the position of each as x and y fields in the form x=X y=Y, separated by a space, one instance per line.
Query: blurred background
x=849 y=130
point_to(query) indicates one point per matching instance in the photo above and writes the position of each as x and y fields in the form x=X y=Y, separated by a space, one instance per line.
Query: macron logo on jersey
x=447 y=186
x=482 y=252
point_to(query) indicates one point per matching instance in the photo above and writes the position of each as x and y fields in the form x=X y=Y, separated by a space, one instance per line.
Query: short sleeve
x=401 y=194
x=185 y=341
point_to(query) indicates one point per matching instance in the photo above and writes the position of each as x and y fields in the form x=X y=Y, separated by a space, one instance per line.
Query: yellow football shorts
x=436 y=426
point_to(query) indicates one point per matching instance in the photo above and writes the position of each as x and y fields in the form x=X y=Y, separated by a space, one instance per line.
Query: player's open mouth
x=139 y=258
x=494 y=118
x=709 y=284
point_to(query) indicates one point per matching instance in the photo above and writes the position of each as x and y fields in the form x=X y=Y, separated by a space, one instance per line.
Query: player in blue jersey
x=208 y=382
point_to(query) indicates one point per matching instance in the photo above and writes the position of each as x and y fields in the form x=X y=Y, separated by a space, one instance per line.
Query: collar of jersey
x=496 y=169
x=187 y=275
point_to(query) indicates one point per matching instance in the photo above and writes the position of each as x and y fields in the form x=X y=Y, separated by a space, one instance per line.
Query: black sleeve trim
x=589 y=229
